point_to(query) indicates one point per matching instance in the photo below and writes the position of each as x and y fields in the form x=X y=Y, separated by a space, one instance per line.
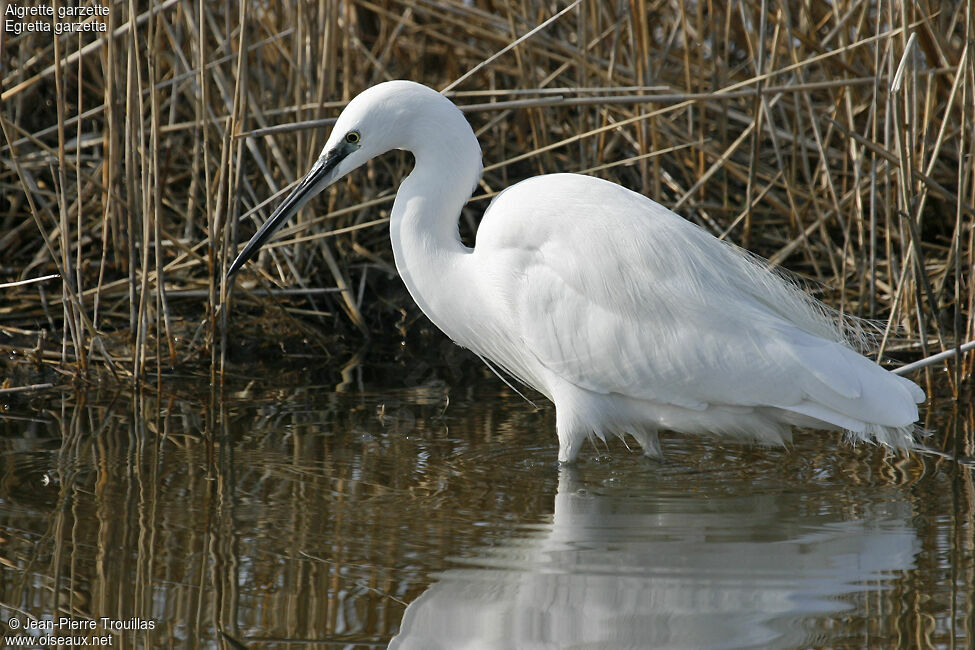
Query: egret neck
x=423 y=227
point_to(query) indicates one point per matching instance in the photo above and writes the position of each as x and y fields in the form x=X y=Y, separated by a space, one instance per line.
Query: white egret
x=626 y=316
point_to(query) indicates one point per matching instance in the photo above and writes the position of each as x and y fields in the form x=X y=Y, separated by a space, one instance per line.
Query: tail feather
x=849 y=391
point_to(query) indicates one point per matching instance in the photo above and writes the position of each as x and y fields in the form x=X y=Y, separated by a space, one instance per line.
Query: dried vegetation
x=833 y=138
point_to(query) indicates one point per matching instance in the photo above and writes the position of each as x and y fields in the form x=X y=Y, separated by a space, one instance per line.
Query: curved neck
x=427 y=248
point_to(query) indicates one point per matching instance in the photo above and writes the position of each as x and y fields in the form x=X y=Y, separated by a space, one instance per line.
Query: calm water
x=436 y=517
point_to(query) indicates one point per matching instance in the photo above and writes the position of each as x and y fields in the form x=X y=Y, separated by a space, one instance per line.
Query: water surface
x=284 y=514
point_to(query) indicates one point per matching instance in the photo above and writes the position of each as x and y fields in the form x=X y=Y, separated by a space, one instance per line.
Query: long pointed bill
x=316 y=180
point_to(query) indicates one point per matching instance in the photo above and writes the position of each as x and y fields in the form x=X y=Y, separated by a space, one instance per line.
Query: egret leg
x=571 y=435
x=649 y=441
x=569 y=447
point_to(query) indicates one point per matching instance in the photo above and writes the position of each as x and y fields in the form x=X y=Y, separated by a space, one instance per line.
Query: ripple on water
x=349 y=517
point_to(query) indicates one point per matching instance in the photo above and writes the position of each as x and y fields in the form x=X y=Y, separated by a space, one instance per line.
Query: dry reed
x=833 y=138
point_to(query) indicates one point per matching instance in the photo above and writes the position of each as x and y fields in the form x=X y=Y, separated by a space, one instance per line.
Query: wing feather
x=647 y=305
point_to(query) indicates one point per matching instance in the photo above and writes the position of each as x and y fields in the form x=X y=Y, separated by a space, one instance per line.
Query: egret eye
x=352 y=137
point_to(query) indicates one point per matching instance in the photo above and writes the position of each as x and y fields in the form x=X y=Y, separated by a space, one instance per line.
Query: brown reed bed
x=833 y=138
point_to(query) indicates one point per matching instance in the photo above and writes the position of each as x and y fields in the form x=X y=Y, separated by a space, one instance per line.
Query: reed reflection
x=263 y=517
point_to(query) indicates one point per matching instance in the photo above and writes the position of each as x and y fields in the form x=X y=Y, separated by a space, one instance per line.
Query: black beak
x=316 y=180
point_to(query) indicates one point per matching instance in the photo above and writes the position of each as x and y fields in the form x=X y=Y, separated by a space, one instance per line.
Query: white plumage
x=629 y=318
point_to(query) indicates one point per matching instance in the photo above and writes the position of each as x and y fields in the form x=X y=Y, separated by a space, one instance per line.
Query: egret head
x=391 y=115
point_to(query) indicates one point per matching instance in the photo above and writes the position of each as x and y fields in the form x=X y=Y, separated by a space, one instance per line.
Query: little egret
x=627 y=317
